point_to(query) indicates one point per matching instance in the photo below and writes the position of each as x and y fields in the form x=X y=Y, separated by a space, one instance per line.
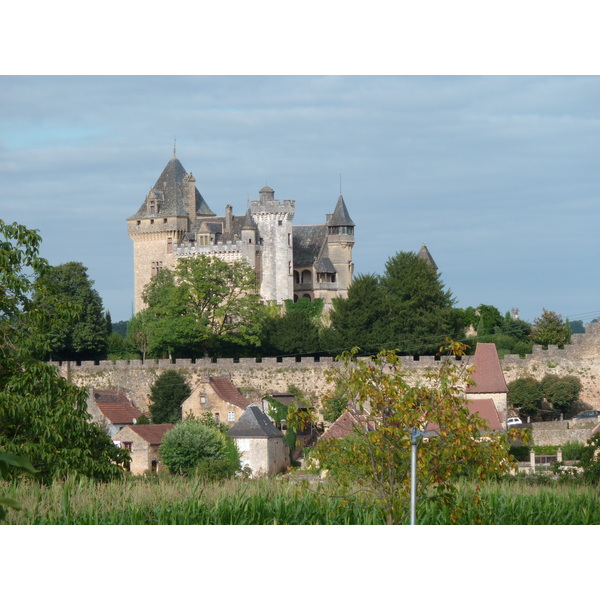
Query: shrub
x=572 y=450
x=193 y=446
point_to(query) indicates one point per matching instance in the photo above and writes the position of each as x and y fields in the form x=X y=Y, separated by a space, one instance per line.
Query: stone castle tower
x=291 y=262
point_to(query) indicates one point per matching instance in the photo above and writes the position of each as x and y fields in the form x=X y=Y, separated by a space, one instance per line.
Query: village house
x=217 y=396
x=260 y=443
x=111 y=409
x=143 y=442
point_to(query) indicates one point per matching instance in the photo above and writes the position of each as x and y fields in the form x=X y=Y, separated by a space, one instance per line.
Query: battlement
x=192 y=248
x=272 y=206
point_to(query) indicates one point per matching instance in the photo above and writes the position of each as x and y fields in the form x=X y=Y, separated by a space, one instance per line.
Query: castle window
x=139 y=223
x=296 y=277
x=165 y=220
x=151 y=221
x=280 y=223
x=231 y=416
x=289 y=239
x=249 y=240
x=156 y=267
x=152 y=207
x=217 y=417
x=170 y=245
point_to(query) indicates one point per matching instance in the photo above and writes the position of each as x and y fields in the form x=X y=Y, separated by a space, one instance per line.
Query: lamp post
x=415 y=434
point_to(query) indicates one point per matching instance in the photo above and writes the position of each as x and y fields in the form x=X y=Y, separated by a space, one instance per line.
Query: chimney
x=228 y=218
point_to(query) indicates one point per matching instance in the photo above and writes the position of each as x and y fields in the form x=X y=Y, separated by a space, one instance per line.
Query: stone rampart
x=259 y=377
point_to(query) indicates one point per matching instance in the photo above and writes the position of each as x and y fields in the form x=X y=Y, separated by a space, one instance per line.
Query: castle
x=290 y=261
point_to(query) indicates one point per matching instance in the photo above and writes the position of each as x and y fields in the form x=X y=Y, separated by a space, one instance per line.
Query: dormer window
x=152 y=207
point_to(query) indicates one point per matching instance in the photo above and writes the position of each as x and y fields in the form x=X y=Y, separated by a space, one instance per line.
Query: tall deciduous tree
x=84 y=333
x=201 y=302
x=43 y=417
x=375 y=459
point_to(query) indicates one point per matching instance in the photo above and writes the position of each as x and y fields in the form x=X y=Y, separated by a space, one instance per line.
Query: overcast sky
x=498 y=175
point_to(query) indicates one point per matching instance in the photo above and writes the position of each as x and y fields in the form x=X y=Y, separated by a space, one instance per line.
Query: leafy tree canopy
x=193 y=445
x=375 y=459
x=168 y=393
x=43 y=417
x=200 y=302
x=561 y=392
x=526 y=394
x=550 y=329
x=82 y=332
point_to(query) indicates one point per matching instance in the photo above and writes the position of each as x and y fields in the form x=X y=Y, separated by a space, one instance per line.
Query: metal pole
x=413 y=475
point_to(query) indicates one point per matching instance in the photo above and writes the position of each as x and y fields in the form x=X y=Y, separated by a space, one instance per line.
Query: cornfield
x=187 y=501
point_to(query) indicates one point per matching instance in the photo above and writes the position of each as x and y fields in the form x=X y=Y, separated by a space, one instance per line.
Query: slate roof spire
x=426 y=256
x=340 y=216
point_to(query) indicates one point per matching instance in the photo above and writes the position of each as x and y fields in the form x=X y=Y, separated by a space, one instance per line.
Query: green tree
x=550 y=329
x=295 y=332
x=193 y=446
x=81 y=333
x=561 y=392
x=419 y=310
x=167 y=394
x=526 y=395
x=358 y=320
x=374 y=461
x=200 y=303
x=137 y=333
x=43 y=417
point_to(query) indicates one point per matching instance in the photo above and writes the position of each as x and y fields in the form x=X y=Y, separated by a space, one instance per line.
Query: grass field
x=181 y=501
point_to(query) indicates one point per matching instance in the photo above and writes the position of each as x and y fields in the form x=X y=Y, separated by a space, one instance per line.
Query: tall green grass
x=187 y=501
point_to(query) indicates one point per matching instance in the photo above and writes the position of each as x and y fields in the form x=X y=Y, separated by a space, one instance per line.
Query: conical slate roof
x=340 y=216
x=254 y=424
x=424 y=255
x=170 y=193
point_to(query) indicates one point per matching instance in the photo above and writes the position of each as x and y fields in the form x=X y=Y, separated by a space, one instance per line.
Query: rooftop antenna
x=175 y=146
x=340 y=184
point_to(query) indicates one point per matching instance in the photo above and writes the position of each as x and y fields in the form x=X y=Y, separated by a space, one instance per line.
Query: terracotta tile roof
x=488 y=375
x=153 y=434
x=344 y=425
x=119 y=412
x=486 y=409
x=224 y=387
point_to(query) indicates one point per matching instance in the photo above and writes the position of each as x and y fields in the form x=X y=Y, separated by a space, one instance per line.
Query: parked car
x=587 y=414
x=513 y=421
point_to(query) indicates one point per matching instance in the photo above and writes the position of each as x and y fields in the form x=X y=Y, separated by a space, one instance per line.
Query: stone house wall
x=204 y=399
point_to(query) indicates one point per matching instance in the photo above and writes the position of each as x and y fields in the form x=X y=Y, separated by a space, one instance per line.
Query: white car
x=513 y=421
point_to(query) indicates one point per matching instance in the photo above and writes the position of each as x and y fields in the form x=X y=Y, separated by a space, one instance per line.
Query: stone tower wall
x=274 y=221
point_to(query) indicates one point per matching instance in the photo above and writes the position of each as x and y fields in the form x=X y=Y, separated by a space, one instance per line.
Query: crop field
x=188 y=501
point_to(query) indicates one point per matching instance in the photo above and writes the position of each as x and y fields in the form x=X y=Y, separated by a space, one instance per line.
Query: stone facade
x=217 y=396
x=143 y=442
x=175 y=222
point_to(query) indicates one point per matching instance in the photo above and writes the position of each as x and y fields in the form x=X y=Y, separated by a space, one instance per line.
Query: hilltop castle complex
x=290 y=261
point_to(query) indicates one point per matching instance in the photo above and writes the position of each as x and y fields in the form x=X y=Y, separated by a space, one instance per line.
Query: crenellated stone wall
x=253 y=378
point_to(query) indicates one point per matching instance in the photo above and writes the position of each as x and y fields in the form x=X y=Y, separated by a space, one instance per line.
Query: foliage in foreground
x=376 y=457
x=191 y=501
x=43 y=417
